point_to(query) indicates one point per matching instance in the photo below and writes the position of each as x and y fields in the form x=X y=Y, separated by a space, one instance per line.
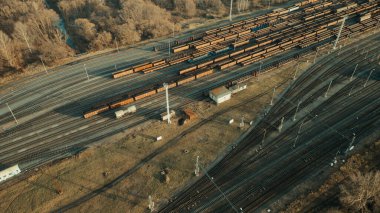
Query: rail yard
x=248 y=176
x=249 y=41
x=319 y=118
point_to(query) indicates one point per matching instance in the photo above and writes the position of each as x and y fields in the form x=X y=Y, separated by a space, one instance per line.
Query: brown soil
x=368 y=159
x=101 y=164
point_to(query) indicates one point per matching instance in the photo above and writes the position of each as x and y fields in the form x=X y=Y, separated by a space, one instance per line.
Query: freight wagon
x=251 y=61
x=204 y=64
x=121 y=102
x=227 y=64
x=243 y=58
x=142 y=67
x=152 y=69
x=251 y=47
x=294 y=8
x=237 y=52
x=159 y=62
x=185 y=80
x=239 y=43
x=180 y=48
x=204 y=73
x=122 y=73
x=161 y=88
x=192 y=68
x=258 y=53
x=95 y=111
x=179 y=60
x=221 y=58
x=144 y=94
x=199 y=57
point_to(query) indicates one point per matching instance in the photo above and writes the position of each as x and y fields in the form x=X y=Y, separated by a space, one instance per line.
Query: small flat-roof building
x=237 y=88
x=9 y=172
x=220 y=95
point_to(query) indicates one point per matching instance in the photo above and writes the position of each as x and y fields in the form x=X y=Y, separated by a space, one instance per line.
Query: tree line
x=29 y=32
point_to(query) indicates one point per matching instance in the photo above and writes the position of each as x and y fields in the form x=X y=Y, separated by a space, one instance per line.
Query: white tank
x=129 y=110
x=119 y=113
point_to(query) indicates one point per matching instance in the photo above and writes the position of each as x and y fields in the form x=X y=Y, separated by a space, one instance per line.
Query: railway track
x=329 y=147
x=264 y=45
x=329 y=199
x=192 y=198
x=51 y=127
x=53 y=136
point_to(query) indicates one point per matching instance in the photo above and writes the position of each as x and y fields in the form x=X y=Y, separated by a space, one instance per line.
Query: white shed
x=220 y=95
x=237 y=88
x=9 y=172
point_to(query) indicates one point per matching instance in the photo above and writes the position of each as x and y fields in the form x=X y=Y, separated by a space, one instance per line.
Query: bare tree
x=186 y=7
x=85 y=28
x=102 y=40
x=21 y=31
x=360 y=190
x=5 y=48
x=212 y=6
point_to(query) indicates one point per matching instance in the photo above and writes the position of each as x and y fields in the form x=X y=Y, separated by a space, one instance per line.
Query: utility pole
x=299 y=129
x=14 y=117
x=269 y=4
x=196 y=171
x=167 y=101
x=151 y=204
x=43 y=64
x=117 y=46
x=365 y=84
x=263 y=140
x=169 y=47
x=295 y=141
x=349 y=93
x=298 y=133
x=315 y=57
x=231 y=10
x=353 y=73
x=340 y=31
x=259 y=72
x=336 y=155
x=328 y=88
x=281 y=124
x=242 y=5
x=351 y=143
x=85 y=69
x=242 y=122
x=271 y=101
x=340 y=49
x=217 y=187
x=295 y=113
x=261 y=65
x=173 y=29
x=295 y=73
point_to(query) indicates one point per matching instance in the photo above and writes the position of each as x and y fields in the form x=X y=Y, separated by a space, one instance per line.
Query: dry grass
x=79 y=176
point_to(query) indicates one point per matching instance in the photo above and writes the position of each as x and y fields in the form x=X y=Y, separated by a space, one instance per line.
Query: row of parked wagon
x=238 y=33
x=211 y=37
x=144 y=92
x=287 y=35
